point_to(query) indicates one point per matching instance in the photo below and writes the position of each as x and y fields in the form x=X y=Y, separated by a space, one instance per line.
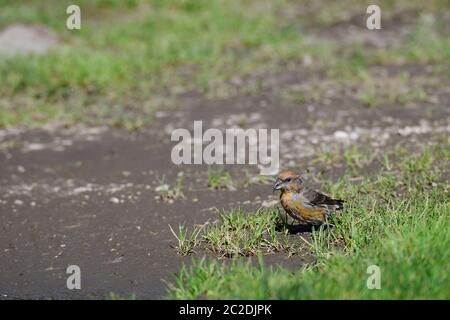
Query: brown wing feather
x=318 y=199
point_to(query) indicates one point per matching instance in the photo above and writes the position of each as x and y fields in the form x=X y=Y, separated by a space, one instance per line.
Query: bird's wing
x=313 y=198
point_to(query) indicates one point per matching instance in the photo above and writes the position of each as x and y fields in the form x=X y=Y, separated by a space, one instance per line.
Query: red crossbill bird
x=301 y=203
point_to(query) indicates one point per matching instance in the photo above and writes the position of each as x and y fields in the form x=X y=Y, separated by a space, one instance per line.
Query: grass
x=187 y=241
x=397 y=219
x=368 y=88
x=219 y=178
x=357 y=158
x=353 y=158
x=238 y=233
x=6 y=146
x=309 y=92
x=376 y=92
x=170 y=193
x=134 y=57
x=143 y=50
x=116 y=296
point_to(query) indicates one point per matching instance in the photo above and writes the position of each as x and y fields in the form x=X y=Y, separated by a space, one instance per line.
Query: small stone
x=341 y=135
x=114 y=200
x=24 y=39
x=18 y=202
x=126 y=173
x=117 y=260
x=307 y=60
x=269 y=203
x=354 y=135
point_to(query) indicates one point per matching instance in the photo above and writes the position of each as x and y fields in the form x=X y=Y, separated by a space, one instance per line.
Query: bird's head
x=288 y=181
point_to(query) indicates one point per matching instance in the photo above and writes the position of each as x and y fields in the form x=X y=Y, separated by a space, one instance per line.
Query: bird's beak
x=277 y=185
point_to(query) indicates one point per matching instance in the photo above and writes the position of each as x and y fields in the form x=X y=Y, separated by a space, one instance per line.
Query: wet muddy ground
x=86 y=196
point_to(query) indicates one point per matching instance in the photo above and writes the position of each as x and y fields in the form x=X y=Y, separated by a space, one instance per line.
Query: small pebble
x=114 y=200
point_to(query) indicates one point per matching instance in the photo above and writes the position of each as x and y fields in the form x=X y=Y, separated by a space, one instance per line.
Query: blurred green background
x=133 y=57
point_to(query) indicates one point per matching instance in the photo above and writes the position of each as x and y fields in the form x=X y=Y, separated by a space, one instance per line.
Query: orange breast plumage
x=297 y=210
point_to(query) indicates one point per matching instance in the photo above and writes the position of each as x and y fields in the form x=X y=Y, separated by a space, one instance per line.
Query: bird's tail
x=338 y=204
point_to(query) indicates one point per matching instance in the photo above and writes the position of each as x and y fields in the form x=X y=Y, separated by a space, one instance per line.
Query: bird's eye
x=288 y=180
